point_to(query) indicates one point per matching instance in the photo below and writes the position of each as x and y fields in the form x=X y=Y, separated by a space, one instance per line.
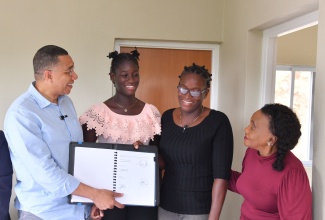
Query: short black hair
x=47 y=57
x=285 y=125
x=201 y=70
x=119 y=58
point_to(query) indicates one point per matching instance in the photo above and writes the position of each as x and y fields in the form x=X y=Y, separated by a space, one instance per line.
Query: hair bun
x=112 y=55
x=135 y=53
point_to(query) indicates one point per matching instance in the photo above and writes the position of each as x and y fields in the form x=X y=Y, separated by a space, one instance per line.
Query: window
x=294 y=87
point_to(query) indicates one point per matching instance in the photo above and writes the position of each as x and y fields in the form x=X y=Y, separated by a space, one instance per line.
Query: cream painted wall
x=241 y=52
x=241 y=55
x=88 y=29
x=298 y=48
x=319 y=122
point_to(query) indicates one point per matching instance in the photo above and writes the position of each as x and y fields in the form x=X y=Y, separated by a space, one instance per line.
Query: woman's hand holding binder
x=137 y=144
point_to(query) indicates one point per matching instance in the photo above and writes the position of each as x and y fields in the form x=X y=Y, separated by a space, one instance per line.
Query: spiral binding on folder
x=115 y=171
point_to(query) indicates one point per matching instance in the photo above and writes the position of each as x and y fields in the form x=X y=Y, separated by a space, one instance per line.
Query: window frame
x=268 y=64
x=269 y=44
x=294 y=69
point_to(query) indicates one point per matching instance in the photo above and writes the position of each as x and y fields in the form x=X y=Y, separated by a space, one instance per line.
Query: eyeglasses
x=70 y=71
x=195 y=92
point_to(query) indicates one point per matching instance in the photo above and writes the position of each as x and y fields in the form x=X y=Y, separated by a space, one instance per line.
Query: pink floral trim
x=123 y=128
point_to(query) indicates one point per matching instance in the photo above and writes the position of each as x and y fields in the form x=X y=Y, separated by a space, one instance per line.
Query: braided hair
x=119 y=58
x=201 y=70
x=285 y=125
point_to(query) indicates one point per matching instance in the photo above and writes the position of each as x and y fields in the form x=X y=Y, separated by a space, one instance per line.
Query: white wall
x=241 y=53
x=319 y=122
x=298 y=48
x=87 y=29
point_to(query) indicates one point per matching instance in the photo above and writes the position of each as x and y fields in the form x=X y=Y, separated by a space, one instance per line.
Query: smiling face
x=257 y=133
x=62 y=76
x=126 y=78
x=192 y=81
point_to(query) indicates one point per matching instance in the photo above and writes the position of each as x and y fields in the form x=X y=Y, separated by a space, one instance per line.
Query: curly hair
x=119 y=58
x=201 y=70
x=285 y=125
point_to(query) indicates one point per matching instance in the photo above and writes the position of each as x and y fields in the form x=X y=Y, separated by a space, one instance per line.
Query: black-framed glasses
x=194 y=92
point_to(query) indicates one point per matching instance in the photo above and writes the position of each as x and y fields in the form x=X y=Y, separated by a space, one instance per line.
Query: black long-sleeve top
x=193 y=159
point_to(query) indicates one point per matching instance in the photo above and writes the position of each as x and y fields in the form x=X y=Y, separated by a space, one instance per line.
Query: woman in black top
x=197 y=148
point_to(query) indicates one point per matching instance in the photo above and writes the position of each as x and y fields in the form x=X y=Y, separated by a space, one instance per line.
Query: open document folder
x=117 y=167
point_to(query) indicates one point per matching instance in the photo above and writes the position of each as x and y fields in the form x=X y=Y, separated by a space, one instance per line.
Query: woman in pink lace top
x=123 y=119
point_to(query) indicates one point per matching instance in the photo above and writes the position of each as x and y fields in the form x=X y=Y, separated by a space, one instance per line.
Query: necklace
x=189 y=125
x=125 y=109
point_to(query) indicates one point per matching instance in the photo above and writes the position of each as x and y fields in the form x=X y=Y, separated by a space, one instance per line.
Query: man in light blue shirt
x=39 y=126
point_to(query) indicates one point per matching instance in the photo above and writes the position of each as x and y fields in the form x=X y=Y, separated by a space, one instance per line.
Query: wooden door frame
x=214 y=48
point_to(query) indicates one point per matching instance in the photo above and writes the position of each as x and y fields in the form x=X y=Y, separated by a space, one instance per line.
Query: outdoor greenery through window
x=294 y=87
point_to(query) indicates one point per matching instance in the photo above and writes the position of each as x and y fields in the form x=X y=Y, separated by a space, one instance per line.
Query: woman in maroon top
x=273 y=181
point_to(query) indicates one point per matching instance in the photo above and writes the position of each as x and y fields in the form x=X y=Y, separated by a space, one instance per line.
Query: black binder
x=117 y=167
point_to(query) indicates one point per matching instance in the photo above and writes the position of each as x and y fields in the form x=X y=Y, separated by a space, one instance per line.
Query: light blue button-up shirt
x=39 y=148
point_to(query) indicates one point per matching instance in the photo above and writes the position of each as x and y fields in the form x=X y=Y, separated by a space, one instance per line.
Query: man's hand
x=105 y=199
x=102 y=198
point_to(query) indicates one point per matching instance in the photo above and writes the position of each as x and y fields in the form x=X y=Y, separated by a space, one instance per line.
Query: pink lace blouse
x=123 y=129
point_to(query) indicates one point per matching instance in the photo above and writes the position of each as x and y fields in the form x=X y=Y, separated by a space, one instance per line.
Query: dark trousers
x=131 y=213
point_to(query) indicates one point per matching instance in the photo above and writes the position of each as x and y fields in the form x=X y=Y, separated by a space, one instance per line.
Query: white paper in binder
x=133 y=173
